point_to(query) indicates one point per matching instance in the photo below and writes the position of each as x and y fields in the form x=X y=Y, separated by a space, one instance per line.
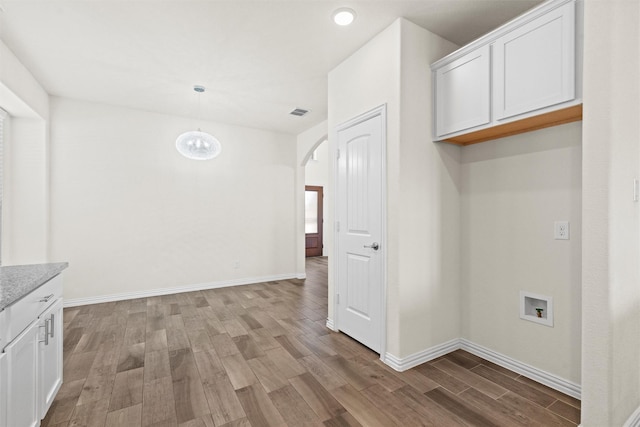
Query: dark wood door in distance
x=313 y=220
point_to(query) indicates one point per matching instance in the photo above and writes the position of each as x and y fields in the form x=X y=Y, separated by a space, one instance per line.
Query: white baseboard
x=301 y=276
x=555 y=382
x=538 y=375
x=74 y=302
x=331 y=325
x=634 y=419
x=403 y=363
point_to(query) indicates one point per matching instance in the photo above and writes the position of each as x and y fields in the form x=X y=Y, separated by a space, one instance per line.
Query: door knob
x=375 y=246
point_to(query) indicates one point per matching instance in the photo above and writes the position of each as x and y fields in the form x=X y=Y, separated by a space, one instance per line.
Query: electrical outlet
x=561 y=230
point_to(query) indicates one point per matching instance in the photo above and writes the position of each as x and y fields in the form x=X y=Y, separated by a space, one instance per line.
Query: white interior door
x=360 y=228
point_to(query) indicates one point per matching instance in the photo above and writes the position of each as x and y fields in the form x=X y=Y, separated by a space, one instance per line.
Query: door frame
x=382 y=112
x=320 y=191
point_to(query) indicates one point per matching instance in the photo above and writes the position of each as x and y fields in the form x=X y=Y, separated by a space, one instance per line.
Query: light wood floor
x=260 y=355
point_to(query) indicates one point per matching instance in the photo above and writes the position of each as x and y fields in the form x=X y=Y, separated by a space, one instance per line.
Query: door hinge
x=337 y=226
x=338 y=154
x=337 y=298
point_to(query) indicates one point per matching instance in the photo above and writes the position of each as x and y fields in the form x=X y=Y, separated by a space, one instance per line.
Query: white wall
x=130 y=214
x=425 y=210
x=422 y=200
x=513 y=189
x=611 y=153
x=25 y=208
x=316 y=173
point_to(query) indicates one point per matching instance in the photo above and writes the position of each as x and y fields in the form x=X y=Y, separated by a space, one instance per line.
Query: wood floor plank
x=294 y=409
x=516 y=387
x=321 y=372
x=380 y=375
x=535 y=413
x=156 y=365
x=360 y=407
x=208 y=363
x=264 y=339
x=343 y=420
x=293 y=346
x=432 y=414
x=285 y=362
x=64 y=403
x=159 y=405
x=489 y=388
x=551 y=392
x=392 y=405
x=131 y=357
x=200 y=340
x=98 y=387
x=188 y=392
x=461 y=408
x=90 y=414
x=350 y=371
x=259 y=407
x=223 y=402
x=247 y=347
x=234 y=328
x=418 y=381
x=445 y=380
x=268 y=373
x=205 y=421
x=78 y=366
x=156 y=340
x=127 y=389
x=317 y=397
x=238 y=371
x=507 y=415
x=130 y=416
x=566 y=411
x=223 y=345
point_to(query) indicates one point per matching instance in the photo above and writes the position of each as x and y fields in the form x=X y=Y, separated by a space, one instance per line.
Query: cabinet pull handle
x=47 y=298
x=52 y=327
x=46 y=332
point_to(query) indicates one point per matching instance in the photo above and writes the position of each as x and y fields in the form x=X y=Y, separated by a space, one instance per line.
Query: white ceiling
x=257 y=59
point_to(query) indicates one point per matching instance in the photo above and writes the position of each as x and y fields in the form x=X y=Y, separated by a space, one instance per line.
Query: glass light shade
x=198 y=145
x=344 y=16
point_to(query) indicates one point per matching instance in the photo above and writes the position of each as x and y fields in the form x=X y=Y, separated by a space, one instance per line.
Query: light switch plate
x=561 y=230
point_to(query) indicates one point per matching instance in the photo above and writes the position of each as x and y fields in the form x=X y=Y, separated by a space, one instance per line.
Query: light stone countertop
x=19 y=280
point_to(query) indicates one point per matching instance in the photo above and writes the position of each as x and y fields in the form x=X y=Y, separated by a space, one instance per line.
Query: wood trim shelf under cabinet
x=553 y=118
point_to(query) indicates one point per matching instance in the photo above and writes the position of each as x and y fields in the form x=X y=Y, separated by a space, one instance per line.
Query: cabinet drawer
x=19 y=315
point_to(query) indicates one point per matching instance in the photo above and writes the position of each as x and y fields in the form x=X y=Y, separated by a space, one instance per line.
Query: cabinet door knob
x=47 y=298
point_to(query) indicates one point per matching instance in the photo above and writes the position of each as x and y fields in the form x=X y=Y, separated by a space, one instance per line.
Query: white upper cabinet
x=520 y=77
x=463 y=92
x=534 y=64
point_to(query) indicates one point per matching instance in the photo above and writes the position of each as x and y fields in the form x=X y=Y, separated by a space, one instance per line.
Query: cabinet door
x=22 y=367
x=463 y=93
x=50 y=357
x=3 y=390
x=533 y=65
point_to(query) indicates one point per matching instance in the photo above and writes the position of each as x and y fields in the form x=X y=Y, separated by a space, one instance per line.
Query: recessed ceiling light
x=344 y=16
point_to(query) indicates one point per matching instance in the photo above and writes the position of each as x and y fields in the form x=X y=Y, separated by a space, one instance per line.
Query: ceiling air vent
x=299 y=112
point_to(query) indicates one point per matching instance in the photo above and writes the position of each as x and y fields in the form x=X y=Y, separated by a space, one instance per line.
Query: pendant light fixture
x=198 y=145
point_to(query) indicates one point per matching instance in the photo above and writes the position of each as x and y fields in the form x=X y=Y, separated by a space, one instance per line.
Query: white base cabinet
x=50 y=356
x=31 y=361
x=3 y=389
x=22 y=379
